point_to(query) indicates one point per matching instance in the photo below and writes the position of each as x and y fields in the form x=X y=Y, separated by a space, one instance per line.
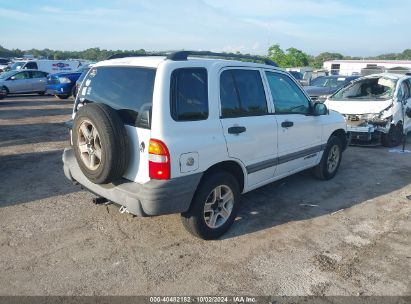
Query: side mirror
x=12 y=78
x=320 y=109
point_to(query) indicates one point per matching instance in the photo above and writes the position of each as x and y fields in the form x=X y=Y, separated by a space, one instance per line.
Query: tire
x=63 y=96
x=331 y=159
x=199 y=222
x=3 y=92
x=41 y=93
x=393 y=137
x=100 y=143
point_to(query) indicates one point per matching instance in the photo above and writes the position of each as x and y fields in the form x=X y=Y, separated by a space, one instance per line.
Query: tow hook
x=123 y=209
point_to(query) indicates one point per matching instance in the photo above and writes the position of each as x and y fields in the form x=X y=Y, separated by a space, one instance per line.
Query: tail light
x=158 y=160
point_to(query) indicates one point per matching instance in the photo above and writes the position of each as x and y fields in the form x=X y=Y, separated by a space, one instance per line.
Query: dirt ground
x=298 y=236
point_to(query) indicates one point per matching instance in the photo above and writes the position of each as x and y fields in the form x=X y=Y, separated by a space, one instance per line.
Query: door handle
x=236 y=130
x=287 y=124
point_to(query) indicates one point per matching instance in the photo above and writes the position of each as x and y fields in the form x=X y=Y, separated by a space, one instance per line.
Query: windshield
x=376 y=88
x=6 y=75
x=333 y=82
x=18 y=65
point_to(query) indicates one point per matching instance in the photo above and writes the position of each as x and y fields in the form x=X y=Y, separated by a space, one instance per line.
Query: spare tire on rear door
x=100 y=143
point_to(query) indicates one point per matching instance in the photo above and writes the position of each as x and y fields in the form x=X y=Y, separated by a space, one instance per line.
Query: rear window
x=122 y=88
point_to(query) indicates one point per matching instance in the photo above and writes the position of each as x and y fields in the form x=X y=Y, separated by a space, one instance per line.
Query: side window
x=242 y=94
x=287 y=96
x=37 y=74
x=31 y=65
x=22 y=75
x=404 y=91
x=189 y=94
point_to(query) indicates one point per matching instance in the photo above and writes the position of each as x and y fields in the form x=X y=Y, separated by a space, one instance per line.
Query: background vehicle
x=80 y=79
x=49 y=66
x=297 y=75
x=4 y=62
x=375 y=108
x=26 y=81
x=161 y=135
x=322 y=87
x=63 y=84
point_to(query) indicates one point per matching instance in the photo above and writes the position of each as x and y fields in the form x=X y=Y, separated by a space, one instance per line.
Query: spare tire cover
x=100 y=141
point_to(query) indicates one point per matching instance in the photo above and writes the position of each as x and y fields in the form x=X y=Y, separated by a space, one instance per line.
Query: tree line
x=290 y=57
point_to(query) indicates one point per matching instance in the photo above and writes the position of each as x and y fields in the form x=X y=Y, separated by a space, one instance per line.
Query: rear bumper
x=155 y=197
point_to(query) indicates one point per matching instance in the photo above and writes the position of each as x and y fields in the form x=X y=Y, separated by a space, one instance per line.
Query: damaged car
x=376 y=108
x=323 y=87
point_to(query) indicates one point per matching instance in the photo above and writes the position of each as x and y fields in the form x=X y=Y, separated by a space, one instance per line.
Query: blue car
x=63 y=84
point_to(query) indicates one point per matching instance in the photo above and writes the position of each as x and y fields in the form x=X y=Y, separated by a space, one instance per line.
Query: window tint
x=37 y=74
x=31 y=65
x=242 y=93
x=287 y=96
x=189 y=94
x=126 y=89
x=22 y=75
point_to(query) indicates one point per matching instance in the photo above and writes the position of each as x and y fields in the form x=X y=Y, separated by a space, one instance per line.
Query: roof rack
x=124 y=55
x=182 y=55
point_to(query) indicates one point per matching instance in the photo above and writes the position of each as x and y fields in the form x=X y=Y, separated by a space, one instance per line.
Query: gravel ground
x=298 y=236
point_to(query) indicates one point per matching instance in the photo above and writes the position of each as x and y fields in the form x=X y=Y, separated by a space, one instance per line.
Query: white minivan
x=48 y=66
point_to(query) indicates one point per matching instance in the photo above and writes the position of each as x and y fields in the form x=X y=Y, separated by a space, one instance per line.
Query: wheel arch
x=231 y=167
x=342 y=135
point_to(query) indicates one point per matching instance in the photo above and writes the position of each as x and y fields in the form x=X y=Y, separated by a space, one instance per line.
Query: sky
x=350 y=27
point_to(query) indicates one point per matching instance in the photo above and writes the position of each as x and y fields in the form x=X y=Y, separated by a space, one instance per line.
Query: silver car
x=23 y=81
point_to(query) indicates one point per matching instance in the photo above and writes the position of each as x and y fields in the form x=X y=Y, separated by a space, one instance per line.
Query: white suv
x=172 y=134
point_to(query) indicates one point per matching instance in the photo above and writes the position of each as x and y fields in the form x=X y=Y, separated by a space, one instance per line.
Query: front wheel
x=331 y=159
x=214 y=206
x=393 y=137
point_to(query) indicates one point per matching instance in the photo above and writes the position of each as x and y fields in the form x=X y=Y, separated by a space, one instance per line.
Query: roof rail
x=183 y=55
x=124 y=55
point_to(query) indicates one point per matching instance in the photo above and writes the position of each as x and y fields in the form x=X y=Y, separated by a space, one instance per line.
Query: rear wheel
x=214 y=206
x=331 y=159
x=393 y=137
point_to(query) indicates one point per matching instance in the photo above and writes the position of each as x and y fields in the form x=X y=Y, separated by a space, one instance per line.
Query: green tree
x=276 y=54
x=291 y=58
x=319 y=60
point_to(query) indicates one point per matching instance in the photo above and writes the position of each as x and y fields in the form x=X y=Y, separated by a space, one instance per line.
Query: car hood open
x=358 y=107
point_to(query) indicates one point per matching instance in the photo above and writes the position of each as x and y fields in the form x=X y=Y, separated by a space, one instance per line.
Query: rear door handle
x=287 y=124
x=236 y=130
